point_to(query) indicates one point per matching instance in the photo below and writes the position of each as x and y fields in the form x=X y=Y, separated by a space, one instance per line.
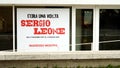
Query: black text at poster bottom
x=42 y=37
x=43 y=45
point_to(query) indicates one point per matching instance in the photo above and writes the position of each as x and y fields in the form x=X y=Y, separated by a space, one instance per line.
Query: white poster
x=43 y=29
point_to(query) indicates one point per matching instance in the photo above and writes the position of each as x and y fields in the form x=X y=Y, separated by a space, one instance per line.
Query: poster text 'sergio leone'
x=42 y=23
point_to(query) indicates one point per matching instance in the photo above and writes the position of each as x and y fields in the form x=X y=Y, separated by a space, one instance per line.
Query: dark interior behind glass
x=109 y=29
x=84 y=29
x=6 y=28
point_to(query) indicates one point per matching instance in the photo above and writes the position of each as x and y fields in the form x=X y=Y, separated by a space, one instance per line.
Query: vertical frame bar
x=13 y=28
x=73 y=28
x=95 y=45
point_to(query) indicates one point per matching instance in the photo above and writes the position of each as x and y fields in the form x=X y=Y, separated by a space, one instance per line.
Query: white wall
x=2 y=2
x=65 y=2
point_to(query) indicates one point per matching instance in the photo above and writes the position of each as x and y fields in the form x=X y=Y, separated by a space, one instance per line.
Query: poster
x=43 y=29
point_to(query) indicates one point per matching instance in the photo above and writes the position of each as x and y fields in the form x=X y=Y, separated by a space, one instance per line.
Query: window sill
x=59 y=55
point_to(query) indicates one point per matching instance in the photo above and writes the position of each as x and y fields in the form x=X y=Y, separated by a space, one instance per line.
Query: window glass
x=84 y=29
x=6 y=37
x=109 y=29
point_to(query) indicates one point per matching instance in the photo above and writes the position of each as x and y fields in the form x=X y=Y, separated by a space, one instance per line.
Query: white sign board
x=43 y=29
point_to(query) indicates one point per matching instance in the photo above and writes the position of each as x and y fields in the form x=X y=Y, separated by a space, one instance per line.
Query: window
x=109 y=29
x=80 y=27
x=6 y=36
x=84 y=29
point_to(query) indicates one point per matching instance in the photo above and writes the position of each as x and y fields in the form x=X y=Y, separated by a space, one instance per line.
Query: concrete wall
x=61 y=59
x=60 y=55
x=58 y=63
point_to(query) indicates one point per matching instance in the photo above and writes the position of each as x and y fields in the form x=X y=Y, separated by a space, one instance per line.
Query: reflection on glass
x=110 y=29
x=84 y=29
x=1 y=24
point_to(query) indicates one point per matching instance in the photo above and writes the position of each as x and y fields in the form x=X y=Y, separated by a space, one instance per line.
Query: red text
x=49 y=31
x=41 y=23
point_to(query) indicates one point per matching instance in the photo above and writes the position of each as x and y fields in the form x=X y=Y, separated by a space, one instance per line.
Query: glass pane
x=109 y=29
x=6 y=37
x=84 y=29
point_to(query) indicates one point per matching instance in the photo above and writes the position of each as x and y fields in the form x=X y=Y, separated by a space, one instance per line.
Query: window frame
x=107 y=7
x=95 y=43
x=11 y=8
